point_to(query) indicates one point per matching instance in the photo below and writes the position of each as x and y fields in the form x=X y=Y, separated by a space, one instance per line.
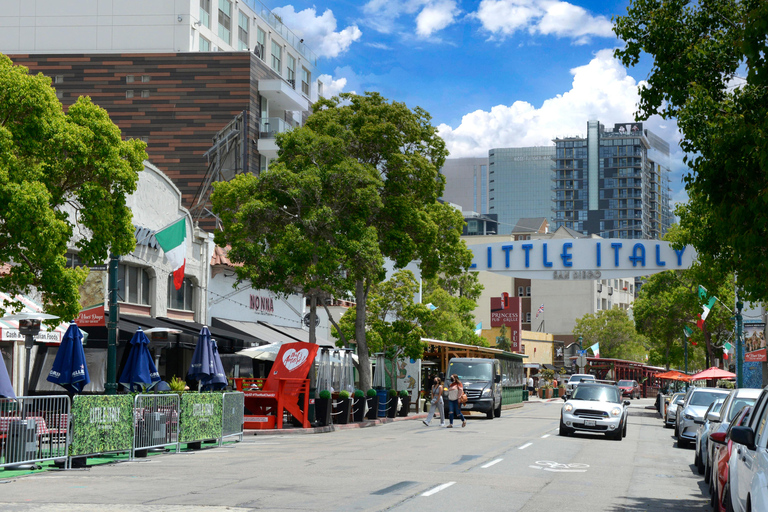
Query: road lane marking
x=526 y=445
x=545 y=436
x=437 y=489
x=556 y=467
x=491 y=463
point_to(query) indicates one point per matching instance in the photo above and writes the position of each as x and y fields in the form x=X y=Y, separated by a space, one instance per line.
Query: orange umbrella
x=713 y=373
x=673 y=375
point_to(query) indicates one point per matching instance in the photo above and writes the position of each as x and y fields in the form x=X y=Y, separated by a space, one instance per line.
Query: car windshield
x=581 y=378
x=625 y=383
x=736 y=406
x=704 y=398
x=471 y=371
x=597 y=394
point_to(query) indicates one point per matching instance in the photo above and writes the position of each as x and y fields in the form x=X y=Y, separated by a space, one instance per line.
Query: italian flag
x=173 y=241
x=709 y=303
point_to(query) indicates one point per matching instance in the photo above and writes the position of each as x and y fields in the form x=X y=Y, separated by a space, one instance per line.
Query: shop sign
x=9 y=334
x=758 y=356
x=262 y=304
x=505 y=310
x=92 y=317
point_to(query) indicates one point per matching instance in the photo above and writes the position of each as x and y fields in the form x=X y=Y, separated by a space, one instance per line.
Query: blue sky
x=492 y=73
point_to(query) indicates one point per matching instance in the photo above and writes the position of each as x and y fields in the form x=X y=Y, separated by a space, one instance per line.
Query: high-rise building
x=466 y=183
x=613 y=183
x=519 y=184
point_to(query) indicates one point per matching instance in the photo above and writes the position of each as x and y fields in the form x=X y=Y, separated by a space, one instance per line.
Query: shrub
x=325 y=394
x=404 y=393
x=392 y=392
x=371 y=392
x=177 y=384
x=359 y=393
x=343 y=394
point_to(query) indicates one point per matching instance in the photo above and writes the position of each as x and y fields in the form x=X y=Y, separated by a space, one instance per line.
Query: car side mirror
x=713 y=416
x=627 y=402
x=717 y=438
x=743 y=435
x=497 y=379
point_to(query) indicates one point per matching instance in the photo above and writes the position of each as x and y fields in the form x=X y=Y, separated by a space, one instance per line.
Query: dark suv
x=629 y=388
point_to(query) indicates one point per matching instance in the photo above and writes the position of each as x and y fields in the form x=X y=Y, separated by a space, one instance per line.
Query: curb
x=332 y=428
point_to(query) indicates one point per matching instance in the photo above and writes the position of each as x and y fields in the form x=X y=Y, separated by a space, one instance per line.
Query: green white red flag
x=173 y=241
x=709 y=303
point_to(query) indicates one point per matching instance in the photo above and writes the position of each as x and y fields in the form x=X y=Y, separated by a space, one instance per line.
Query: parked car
x=721 y=454
x=574 y=381
x=595 y=408
x=629 y=388
x=719 y=422
x=702 y=433
x=696 y=402
x=747 y=485
x=671 y=414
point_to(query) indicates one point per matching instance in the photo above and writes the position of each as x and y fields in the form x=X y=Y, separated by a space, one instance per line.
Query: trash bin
x=21 y=444
x=383 y=401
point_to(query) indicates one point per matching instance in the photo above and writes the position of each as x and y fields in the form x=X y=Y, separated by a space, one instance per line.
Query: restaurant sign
x=580 y=258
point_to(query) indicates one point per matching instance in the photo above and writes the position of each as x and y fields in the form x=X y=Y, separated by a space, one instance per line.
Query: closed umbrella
x=69 y=369
x=140 y=371
x=262 y=352
x=206 y=367
x=6 y=389
x=713 y=373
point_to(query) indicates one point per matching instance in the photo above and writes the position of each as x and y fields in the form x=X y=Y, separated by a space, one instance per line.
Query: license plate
x=589 y=423
x=466 y=406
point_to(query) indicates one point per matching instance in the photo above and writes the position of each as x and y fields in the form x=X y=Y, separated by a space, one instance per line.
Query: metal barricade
x=232 y=415
x=34 y=429
x=156 y=422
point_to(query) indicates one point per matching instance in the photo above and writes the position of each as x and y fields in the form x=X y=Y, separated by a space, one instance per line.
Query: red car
x=629 y=388
x=721 y=445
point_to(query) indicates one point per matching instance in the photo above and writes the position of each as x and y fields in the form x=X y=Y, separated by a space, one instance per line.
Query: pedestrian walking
x=436 y=402
x=455 y=390
x=530 y=386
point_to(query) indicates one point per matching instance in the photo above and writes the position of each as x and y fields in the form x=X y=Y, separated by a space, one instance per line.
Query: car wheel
x=697 y=463
x=677 y=431
x=624 y=430
x=727 y=499
x=489 y=414
x=563 y=430
x=497 y=411
x=708 y=474
x=713 y=498
x=681 y=443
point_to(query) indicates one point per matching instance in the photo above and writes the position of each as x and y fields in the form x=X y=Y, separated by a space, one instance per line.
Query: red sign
x=758 y=356
x=505 y=310
x=292 y=362
x=91 y=317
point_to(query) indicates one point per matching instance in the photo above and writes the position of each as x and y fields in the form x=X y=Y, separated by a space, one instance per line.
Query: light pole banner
x=580 y=258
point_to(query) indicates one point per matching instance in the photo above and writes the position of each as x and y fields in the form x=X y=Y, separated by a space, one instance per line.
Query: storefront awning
x=268 y=333
x=227 y=340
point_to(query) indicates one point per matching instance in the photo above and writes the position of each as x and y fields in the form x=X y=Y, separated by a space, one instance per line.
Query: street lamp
x=29 y=326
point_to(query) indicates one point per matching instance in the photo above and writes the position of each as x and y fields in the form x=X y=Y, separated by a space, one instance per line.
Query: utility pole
x=110 y=387
x=739 y=343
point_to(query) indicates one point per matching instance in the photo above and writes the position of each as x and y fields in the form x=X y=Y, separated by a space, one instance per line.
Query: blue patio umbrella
x=206 y=366
x=69 y=369
x=6 y=389
x=140 y=371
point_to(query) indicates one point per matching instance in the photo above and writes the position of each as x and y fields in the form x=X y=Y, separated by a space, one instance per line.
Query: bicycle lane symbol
x=557 y=467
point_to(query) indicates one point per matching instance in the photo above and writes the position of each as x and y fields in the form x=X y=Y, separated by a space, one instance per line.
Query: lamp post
x=29 y=327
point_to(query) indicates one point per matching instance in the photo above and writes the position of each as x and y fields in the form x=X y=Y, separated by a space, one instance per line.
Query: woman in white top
x=455 y=390
x=437 y=402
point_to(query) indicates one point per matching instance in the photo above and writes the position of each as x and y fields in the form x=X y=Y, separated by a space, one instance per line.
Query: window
x=58 y=79
x=242 y=31
x=225 y=21
x=133 y=285
x=528 y=317
x=205 y=45
x=145 y=78
x=145 y=93
x=73 y=260
x=129 y=79
x=520 y=291
x=205 y=13
x=59 y=94
x=181 y=298
x=306 y=76
x=277 y=55
x=261 y=42
x=527 y=291
x=129 y=93
x=291 y=61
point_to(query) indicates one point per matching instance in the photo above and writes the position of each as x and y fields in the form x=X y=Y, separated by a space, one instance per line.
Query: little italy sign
x=580 y=258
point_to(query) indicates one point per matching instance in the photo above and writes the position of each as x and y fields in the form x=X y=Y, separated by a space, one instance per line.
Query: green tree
x=455 y=296
x=403 y=148
x=295 y=225
x=709 y=72
x=58 y=171
x=615 y=332
x=502 y=340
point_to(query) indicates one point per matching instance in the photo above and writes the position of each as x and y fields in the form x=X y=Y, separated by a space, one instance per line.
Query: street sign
x=581 y=361
x=582 y=352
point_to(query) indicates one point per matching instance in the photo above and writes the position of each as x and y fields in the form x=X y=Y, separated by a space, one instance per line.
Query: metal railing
x=232 y=415
x=271 y=126
x=155 y=422
x=34 y=429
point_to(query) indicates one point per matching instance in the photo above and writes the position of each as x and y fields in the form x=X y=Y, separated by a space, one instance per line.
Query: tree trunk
x=312 y=318
x=361 y=295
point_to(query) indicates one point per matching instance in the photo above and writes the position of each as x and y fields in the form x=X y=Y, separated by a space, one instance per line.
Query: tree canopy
x=59 y=171
x=615 y=332
x=709 y=72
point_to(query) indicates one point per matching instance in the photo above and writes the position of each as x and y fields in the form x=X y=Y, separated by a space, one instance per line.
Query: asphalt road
x=516 y=462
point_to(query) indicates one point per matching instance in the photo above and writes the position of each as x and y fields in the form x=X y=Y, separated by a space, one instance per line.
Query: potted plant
x=358 y=405
x=373 y=403
x=342 y=408
x=405 y=397
x=323 y=408
x=392 y=403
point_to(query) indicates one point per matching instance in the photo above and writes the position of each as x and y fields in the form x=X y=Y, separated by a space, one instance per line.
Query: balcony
x=269 y=127
x=282 y=96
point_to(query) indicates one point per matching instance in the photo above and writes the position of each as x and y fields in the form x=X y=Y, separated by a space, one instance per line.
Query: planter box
x=323 y=410
x=341 y=411
x=391 y=406
x=358 y=409
x=406 y=406
x=373 y=407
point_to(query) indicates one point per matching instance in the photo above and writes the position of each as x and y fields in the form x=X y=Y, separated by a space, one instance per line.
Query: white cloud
x=319 y=32
x=433 y=15
x=331 y=86
x=503 y=18
x=601 y=90
x=436 y=16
